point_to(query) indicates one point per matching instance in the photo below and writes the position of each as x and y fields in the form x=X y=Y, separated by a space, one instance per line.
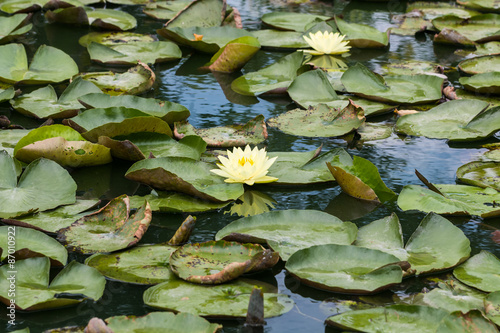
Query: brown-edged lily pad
x=234 y=55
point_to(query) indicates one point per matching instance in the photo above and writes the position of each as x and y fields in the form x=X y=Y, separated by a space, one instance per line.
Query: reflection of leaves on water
x=251 y=203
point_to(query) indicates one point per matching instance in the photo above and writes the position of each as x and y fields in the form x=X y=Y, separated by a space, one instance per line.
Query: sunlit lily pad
x=479 y=65
x=481 y=50
x=479 y=28
x=362 y=35
x=234 y=55
x=482 y=271
x=473 y=321
x=48 y=65
x=345 y=268
x=132 y=53
x=432 y=10
x=134 y=81
x=165 y=10
x=13 y=27
x=33 y=291
x=172 y=202
x=109 y=229
x=271 y=79
x=116 y=121
x=492 y=306
x=200 y=13
x=481 y=5
x=43 y=102
x=411 y=67
x=55 y=219
x=43 y=185
x=408 y=89
x=435 y=245
x=108 y=19
x=31 y=243
x=457 y=120
x=253 y=132
x=482 y=174
x=291 y=21
x=21 y=6
x=184 y=175
x=486 y=83
x=114 y=38
x=288 y=231
x=216 y=262
x=277 y=39
x=229 y=300
x=410 y=23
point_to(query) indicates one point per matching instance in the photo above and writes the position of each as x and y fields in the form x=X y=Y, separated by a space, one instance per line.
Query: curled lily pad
x=109 y=229
x=172 y=202
x=114 y=38
x=253 y=132
x=184 y=175
x=33 y=291
x=134 y=81
x=408 y=89
x=479 y=65
x=482 y=174
x=43 y=185
x=132 y=53
x=486 y=83
x=6 y=92
x=31 y=243
x=165 y=10
x=234 y=55
x=482 y=271
x=473 y=321
x=21 y=6
x=216 y=262
x=48 y=65
x=43 y=102
x=361 y=35
x=200 y=13
x=288 y=231
x=479 y=28
x=291 y=21
x=229 y=300
x=350 y=269
x=14 y=26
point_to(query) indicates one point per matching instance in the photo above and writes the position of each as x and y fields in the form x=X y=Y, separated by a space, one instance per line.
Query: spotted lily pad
x=473 y=321
x=43 y=185
x=234 y=55
x=482 y=271
x=134 y=81
x=288 y=231
x=14 y=26
x=109 y=229
x=33 y=291
x=482 y=174
x=492 y=307
x=216 y=262
x=21 y=6
x=479 y=28
x=114 y=38
x=479 y=65
x=253 y=132
x=350 y=269
x=199 y=13
x=486 y=83
x=184 y=175
x=165 y=10
x=291 y=21
x=435 y=245
x=48 y=65
x=229 y=300
x=31 y=243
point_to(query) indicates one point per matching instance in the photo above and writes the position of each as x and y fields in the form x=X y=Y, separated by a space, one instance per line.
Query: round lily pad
x=479 y=65
x=486 y=83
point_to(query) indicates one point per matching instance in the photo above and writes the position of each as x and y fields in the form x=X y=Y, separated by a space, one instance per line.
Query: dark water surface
x=201 y=93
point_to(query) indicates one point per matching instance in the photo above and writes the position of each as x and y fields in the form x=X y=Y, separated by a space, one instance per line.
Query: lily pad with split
x=200 y=13
x=291 y=21
x=291 y=230
x=482 y=271
x=109 y=229
x=362 y=35
x=234 y=55
x=7 y=92
x=14 y=26
x=164 y=10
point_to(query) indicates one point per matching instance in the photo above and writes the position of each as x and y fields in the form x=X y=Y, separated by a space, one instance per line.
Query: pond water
x=182 y=82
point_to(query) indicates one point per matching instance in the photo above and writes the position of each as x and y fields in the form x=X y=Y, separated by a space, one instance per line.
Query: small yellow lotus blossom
x=326 y=43
x=247 y=166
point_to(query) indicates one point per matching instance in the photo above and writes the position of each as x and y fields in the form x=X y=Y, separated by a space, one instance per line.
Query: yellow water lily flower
x=326 y=43
x=247 y=166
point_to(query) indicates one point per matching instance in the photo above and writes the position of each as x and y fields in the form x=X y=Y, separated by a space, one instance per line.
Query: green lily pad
x=410 y=23
x=481 y=50
x=176 y=203
x=479 y=65
x=457 y=120
x=14 y=26
x=109 y=229
x=6 y=92
x=350 y=269
x=374 y=131
x=460 y=200
x=46 y=132
x=9 y=139
x=134 y=81
x=277 y=39
x=473 y=321
x=167 y=111
x=486 y=83
x=142 y=264
x=435 y=245
x=362 y=35
x=106 y=19
x=43 y=103
x=411 y=67
x=480 y=28
x=33 y=291
x=391 y=319
x=482 y=271
x=482 y=174
x=492 y=307
x=186 y=176
x=277 y=76
x=481 y=5
x=116 y=121
x=200 y=13
x=21 y=6
x=291 y=21
x=253 y=132
x=289 y=231
x=234 y=55
x=319 y=121
x=229 y=300
x=132 y=53
x=408 y=89
x=432 y=10
x=216 y=262
x=165 y=10
x=114 y=38
x=213 y=38
x=43 y=185
x=52 y=220
x=48 y=65
x=162 y=321
x=31 y=243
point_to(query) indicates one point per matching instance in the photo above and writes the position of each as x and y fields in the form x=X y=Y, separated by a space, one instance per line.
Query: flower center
x=242 y=161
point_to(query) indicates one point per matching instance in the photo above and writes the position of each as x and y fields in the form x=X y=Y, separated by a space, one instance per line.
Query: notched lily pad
x=106 y=19
x=361 y=35
x=234 y=55
x=199 y=13
x=14 y=26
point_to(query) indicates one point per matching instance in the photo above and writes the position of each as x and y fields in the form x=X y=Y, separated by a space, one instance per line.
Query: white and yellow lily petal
x=247 y=166
x=326 y=43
